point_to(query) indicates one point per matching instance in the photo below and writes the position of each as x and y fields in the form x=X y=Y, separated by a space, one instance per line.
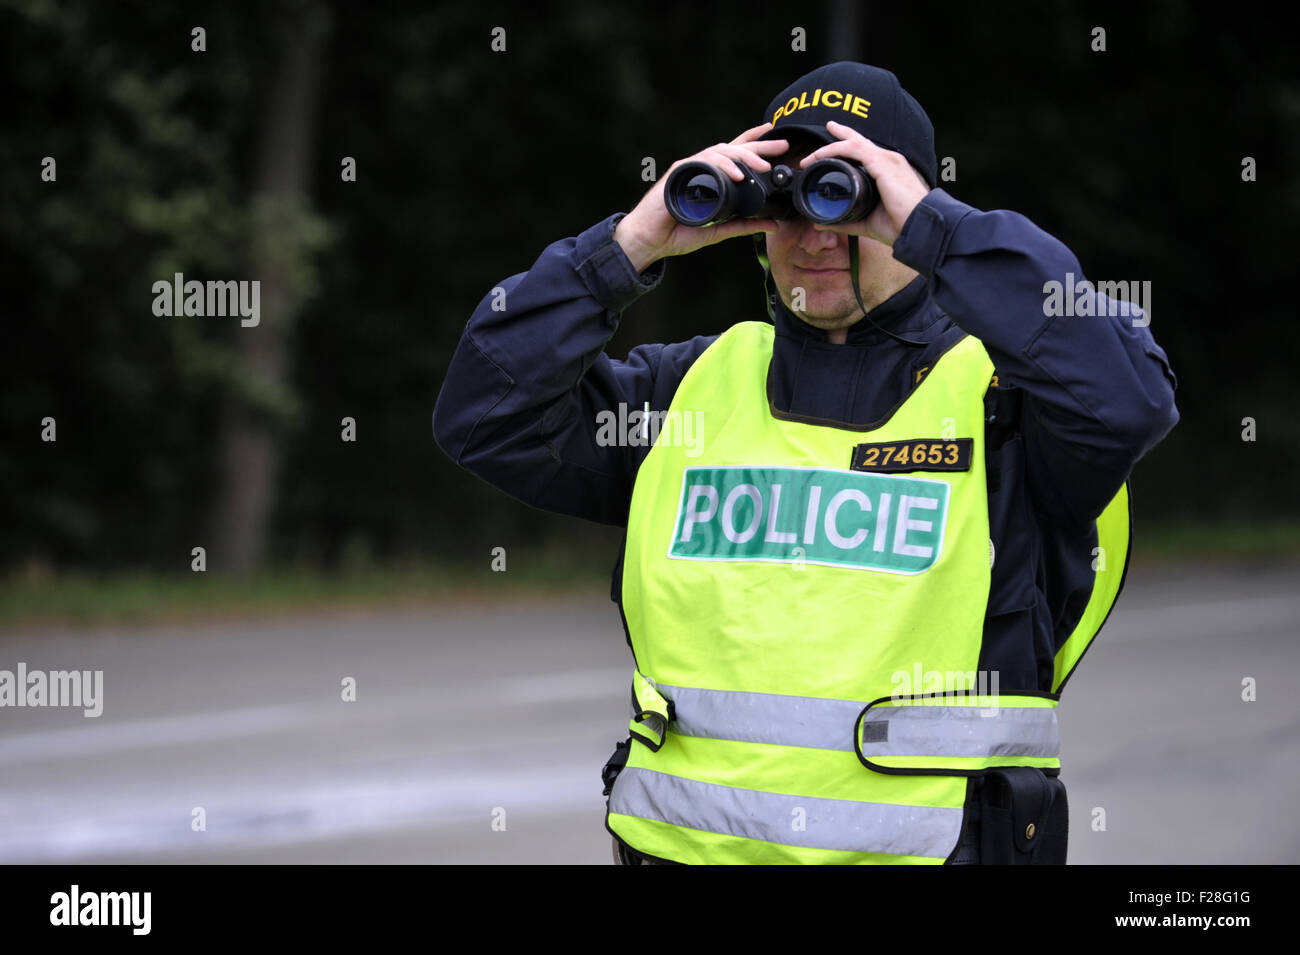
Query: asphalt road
x=478 y=732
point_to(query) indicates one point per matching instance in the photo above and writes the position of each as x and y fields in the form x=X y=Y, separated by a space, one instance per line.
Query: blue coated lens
x=829 y=194
x=700 y=198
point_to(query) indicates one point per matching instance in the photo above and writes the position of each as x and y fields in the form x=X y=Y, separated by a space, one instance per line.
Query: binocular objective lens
x=700 y=197
x=829 y=194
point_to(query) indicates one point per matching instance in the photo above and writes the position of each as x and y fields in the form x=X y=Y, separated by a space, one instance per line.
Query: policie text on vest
x=880 y=522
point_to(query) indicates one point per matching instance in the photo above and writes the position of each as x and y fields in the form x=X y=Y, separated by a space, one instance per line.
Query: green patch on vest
x=811 y=515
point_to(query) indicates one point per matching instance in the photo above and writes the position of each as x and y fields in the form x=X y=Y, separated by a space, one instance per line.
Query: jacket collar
x=907 y=312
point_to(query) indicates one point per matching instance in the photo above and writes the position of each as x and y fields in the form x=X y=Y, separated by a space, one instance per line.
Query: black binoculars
x=829 y=191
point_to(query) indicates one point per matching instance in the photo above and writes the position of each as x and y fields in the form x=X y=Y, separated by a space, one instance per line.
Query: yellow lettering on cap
x=817 y=96
x=803 y=100
x=859 y=101
x=791 y=106
x=826 y=98
x=777 y=115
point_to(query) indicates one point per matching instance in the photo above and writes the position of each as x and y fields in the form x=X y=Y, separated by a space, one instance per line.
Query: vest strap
x=953 y=734
x=958 y=734
x=651 y=712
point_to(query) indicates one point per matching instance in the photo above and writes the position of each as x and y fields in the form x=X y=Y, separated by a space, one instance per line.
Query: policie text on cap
x=867 y=99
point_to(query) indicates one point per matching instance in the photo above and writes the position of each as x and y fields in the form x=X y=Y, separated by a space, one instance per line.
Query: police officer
x=869 y=536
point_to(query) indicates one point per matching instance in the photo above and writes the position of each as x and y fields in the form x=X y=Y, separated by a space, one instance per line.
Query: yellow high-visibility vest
x=791 y=589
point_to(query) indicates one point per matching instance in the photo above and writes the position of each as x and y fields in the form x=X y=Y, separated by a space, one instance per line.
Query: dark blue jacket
x=1080 y=399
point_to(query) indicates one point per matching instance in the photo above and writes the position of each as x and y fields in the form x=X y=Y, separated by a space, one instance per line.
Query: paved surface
x=478 y=733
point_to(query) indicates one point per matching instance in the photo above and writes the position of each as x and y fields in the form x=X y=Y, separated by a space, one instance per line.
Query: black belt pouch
x=1024 y=818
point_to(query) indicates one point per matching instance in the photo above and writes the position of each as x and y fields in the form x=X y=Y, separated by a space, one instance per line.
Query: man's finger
x=841 y=148
x=749 y=155
x=751 y=134
x=729 y=230
x=770 y=145
x=724 y=162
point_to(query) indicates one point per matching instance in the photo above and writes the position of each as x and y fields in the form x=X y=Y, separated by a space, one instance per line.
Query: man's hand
x=901 y=188
x=648 y=233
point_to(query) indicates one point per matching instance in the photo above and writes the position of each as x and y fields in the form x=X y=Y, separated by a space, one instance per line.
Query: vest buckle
x=651 y=712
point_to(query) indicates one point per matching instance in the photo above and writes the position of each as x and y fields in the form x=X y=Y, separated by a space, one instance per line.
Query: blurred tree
x=284 y=237
x=179 y=431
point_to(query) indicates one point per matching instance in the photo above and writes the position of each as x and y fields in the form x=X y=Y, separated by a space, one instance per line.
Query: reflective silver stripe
x=819 y=723
x=771 y=817
x=764 y=717
x=962 y=731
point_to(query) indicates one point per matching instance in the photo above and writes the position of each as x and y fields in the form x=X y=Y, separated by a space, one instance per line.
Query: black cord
x=853 y=272
x=770 y=294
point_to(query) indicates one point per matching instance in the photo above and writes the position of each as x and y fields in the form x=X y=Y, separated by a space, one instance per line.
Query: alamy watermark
x=210 y=299
x=642 y=427
x=1130 y=299
x=947 y=688
x=128 y=909
x=83 y=688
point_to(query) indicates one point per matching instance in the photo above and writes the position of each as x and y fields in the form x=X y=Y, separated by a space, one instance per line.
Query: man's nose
x=818 y=240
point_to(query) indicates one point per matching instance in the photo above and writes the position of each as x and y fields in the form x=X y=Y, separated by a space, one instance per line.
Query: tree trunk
x=280 y=246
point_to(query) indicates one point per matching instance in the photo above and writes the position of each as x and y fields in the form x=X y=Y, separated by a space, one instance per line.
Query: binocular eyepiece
x=829 y=191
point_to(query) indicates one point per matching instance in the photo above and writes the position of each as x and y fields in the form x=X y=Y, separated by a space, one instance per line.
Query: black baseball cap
x=866 y=98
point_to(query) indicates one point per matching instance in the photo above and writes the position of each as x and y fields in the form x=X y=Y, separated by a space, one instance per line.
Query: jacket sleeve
x=529 y=383
x=1098 y=391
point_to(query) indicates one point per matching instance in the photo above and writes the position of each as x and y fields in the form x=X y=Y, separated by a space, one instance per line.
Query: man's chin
x=829 y=320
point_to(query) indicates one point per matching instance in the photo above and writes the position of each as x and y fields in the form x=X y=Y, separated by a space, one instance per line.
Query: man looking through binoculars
x=803 y=254
x=923 y=472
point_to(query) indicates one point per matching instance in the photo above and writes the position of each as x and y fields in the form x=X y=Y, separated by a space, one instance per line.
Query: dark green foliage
x=1132 y=157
